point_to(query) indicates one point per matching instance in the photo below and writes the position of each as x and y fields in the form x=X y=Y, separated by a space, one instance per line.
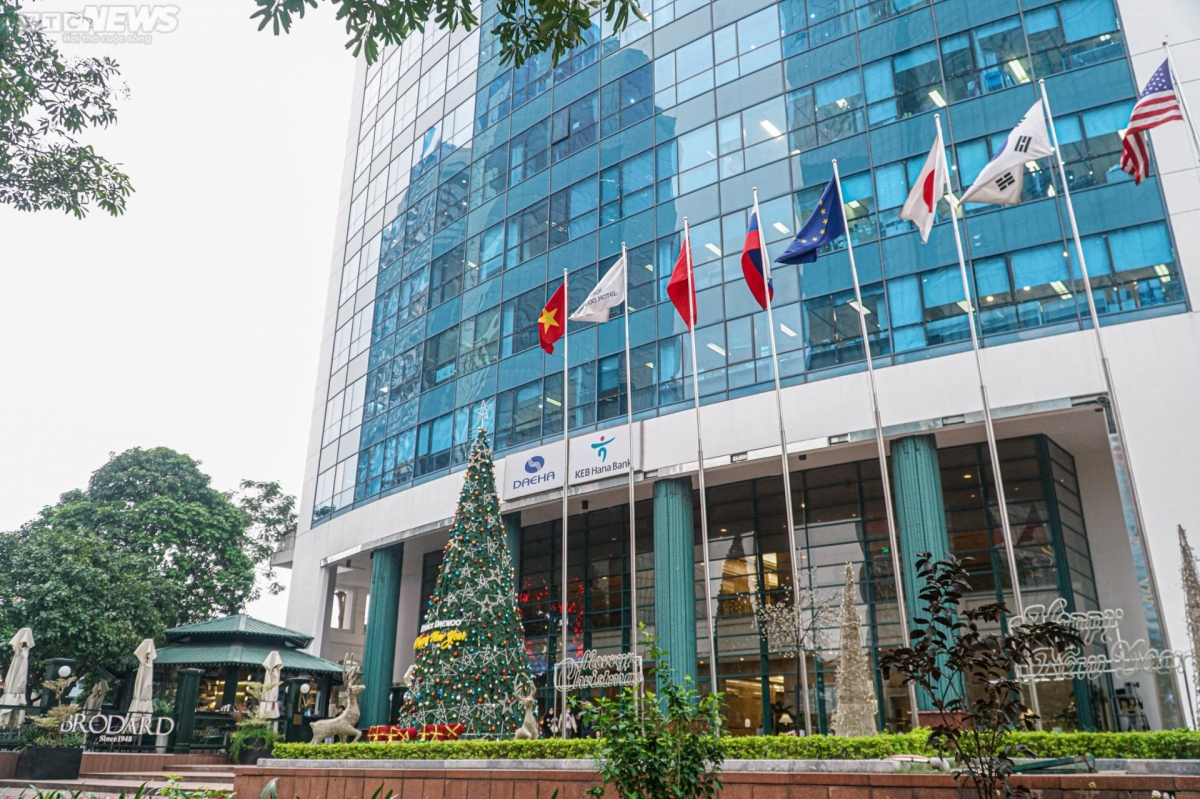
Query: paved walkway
x=114 y=785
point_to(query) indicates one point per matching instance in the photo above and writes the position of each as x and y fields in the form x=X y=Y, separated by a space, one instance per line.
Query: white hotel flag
x=608 y=294
x=1001 y=180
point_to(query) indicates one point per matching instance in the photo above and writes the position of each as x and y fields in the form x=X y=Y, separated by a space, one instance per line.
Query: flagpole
x=1187 y=114
x=787 y=476
x=893 y=538
x=993 y=449
x=708 y=611
x=633 y=612
x=1108 y=381
x=566 y=404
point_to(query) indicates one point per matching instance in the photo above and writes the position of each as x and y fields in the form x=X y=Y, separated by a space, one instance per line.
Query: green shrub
x=550 y=748
x=664 y=744
x=1167 y=745
x=1164 y=745
x=826 y=747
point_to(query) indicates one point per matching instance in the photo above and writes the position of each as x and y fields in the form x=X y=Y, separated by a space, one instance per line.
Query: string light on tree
x=471 y=648
x=856 y=705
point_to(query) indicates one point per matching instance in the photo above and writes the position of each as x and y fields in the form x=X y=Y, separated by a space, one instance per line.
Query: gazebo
x=231 y=651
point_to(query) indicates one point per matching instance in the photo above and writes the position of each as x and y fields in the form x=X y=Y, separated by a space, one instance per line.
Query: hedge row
x=1169 y=745
x=549 y=748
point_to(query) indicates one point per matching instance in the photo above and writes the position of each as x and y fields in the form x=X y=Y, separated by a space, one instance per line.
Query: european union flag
x=828 y=221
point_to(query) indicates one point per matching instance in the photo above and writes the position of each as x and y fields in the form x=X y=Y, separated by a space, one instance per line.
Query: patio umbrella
x=143 y=685
x=16 y=684
x=95 y=699
x=268 y=708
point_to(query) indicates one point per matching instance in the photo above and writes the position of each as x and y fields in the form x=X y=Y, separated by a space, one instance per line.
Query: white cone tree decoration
x=856 y=705
x=1191 y=599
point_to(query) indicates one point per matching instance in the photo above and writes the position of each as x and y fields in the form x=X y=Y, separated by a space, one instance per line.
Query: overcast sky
x=193 y=321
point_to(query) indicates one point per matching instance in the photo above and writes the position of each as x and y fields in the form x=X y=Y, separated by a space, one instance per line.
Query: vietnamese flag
x=553 y=319
x=680 y=287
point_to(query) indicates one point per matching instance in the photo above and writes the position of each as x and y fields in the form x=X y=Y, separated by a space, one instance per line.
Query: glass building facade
x=476 y=184
x=840 y=520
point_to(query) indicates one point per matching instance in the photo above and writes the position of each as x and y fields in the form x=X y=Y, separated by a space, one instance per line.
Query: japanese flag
x=1001 y=180
x=932 y=182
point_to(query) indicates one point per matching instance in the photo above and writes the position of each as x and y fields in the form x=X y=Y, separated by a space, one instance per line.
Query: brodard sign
x=594 y=456
x=116 y=728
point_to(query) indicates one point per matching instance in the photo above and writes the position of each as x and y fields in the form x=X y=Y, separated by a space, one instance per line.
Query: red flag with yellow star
x=553 y=319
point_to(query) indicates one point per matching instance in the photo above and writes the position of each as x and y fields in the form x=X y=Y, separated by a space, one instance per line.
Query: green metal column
x=675 y=575
x=187 y=696
x=233 y=675
x=920 y=515
x=512 y=536
x=379 y=652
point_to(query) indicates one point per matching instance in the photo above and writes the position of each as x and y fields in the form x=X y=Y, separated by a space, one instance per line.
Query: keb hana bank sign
x=594 y=456
x=118 y=729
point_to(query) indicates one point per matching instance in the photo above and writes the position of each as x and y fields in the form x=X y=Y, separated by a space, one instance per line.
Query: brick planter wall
x=480 y=783
x=144 y=762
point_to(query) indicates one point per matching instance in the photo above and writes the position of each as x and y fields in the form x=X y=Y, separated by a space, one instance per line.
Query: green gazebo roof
x=239 y=640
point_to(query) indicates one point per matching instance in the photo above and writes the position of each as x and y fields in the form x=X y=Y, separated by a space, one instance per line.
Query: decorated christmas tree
x=471 y=656
x=856 y=706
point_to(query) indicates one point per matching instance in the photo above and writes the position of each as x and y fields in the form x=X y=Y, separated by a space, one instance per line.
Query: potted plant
x=162 y=708
x=47 y=752
x=256 y=735
x=252 y=742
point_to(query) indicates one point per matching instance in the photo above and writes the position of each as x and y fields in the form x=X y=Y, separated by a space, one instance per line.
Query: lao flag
x=756 y=268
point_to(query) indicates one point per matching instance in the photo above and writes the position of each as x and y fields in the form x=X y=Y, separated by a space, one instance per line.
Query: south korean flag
x=1001 y=180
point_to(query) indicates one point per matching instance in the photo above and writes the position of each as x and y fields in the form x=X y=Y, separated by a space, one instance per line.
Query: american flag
x=1157 y=105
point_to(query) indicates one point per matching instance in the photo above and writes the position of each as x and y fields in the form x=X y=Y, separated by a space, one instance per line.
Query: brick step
x=211 y=775
x=110 y=786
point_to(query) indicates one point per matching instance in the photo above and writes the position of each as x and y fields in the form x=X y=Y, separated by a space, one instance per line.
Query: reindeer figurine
x=342 y=727
x=528 y=731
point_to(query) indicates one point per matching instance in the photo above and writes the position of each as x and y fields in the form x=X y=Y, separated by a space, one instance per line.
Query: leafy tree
x=969 y=670
x=84 y=597
x=664 y=743
x=273 y=518
x=46 y=102
x=148 y=516
x=525 y=28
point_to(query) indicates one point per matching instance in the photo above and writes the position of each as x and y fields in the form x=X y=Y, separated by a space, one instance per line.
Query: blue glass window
x=433 y=445
x=627 y=188
x=839 y=103
x=529 y=152
x=575 y=127
x=627 y=100
x=519 y=321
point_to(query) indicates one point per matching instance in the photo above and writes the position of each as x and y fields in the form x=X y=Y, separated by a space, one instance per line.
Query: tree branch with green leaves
x=525 y=28
x=46 y=103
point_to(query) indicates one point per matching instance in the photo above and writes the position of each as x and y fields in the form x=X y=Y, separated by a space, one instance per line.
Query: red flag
x=680 y=287
x=553 y=319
